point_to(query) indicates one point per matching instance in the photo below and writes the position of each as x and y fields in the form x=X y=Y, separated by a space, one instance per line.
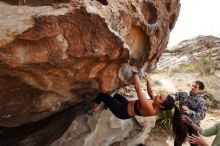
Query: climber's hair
x=168 y=103
x=178 y=127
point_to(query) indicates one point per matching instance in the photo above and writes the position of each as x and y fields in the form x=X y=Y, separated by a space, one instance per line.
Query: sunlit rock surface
x=56 y=55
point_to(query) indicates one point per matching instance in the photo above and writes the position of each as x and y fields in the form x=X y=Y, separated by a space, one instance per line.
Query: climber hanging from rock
x=124 y=109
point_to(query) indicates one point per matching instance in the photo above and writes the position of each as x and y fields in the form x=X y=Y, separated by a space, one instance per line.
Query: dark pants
x=190 y=132
x=118 y=104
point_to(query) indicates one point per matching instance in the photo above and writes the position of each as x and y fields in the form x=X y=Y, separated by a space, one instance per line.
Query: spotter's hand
x=186 y=109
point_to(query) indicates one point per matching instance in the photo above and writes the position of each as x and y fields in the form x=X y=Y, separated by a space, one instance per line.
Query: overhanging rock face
x=52 y=57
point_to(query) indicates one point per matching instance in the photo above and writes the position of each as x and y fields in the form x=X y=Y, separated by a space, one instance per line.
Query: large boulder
x=56 y=55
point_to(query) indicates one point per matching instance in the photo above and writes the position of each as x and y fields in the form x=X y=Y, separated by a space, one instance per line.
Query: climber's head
x=164 y=102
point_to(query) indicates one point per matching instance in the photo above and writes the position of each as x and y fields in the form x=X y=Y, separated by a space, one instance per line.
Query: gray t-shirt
x=214 y=130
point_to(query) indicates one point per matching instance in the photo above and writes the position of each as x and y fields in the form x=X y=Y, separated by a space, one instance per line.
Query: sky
x=197 y=17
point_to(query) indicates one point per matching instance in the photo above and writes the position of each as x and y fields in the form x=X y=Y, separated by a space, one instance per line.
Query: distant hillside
x=200 y=54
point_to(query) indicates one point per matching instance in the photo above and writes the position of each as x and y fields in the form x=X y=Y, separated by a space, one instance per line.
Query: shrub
x=205 y=65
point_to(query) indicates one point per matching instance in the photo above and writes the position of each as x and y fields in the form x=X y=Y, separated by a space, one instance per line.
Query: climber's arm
x=149 y=87
x=146 y=105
